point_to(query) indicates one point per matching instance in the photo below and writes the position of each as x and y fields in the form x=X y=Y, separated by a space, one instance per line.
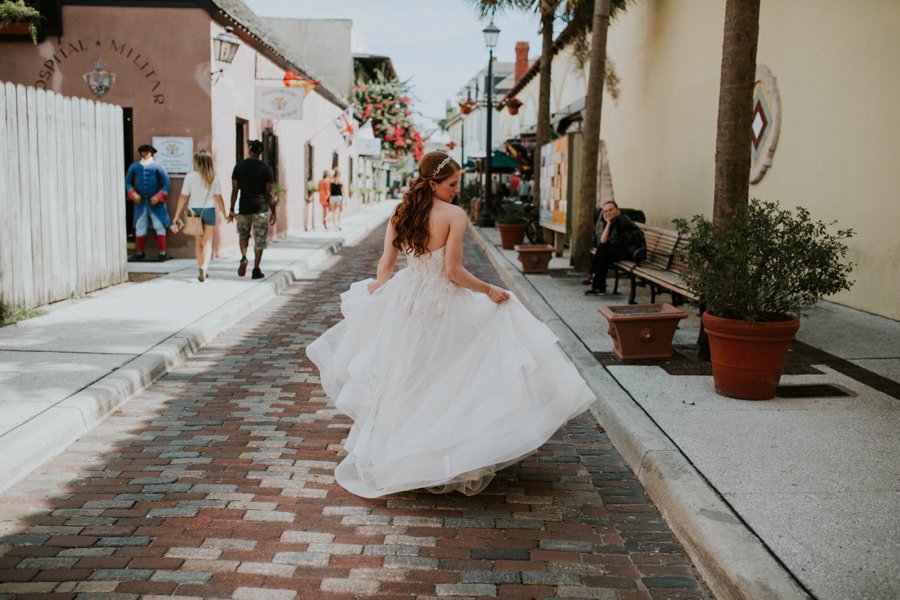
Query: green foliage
x=17 y=11
x=312 y=186
x=512 y=213
x=11 y=316
x=767 y=262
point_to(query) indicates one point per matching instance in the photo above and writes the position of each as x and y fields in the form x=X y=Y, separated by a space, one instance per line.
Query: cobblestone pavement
x=217 y=482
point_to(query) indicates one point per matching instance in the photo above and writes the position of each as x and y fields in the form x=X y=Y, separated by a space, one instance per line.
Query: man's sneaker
x=257 y=274
x=242 y=267
x=136 y=257
x=593 y=292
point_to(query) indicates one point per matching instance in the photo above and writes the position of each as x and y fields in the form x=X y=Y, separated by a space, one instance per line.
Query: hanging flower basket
x=513 y=105
x=466 y=106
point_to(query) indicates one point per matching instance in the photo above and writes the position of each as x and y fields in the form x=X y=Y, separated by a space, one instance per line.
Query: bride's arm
x=456 y=272
x=387 y=261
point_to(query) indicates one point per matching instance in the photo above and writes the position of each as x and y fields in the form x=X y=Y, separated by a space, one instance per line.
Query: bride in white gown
x=447 y=378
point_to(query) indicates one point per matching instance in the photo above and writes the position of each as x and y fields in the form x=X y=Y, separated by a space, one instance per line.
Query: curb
x=731 y=559
x=26 y=448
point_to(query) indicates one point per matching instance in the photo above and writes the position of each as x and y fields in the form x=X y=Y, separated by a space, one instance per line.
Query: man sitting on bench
x=621 y=240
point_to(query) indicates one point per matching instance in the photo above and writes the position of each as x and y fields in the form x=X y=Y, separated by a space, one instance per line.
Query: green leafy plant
x=766 y=263
x=512 y=213
x=11 y=316
x=17 y=11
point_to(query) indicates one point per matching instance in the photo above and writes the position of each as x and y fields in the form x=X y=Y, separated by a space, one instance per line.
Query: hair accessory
x=442 y=165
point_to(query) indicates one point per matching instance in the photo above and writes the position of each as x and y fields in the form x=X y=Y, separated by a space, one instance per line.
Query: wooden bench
x=662 y=268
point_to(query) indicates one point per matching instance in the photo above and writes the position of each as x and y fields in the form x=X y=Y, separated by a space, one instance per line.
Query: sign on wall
x=555 y=184
x=279 y=103
x=370 y=147
x=175 y=154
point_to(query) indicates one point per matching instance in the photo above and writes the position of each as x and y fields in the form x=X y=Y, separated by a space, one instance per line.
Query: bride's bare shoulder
x=449 y=211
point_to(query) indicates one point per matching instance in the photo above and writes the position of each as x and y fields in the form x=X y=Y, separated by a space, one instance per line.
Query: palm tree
x=733 y=130
x=547 y=10
x=586 y=203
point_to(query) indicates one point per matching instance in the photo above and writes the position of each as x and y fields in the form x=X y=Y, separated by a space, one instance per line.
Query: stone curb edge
x=732 y=560
x=26 y=448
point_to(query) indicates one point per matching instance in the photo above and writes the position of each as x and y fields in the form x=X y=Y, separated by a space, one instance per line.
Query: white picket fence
x=62 y=208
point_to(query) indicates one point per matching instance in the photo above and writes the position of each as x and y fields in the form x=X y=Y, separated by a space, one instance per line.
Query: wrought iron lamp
x=225 y=46
x=491 y=33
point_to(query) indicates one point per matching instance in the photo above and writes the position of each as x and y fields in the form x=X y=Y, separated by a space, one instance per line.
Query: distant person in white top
x=202 y=192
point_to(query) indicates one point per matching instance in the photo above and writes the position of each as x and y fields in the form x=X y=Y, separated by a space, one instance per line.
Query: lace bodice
x=430 y=282
x=428 y=265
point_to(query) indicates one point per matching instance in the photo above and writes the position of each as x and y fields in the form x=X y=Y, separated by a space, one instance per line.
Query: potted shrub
x=513 y=105
x=511 y=220
x=755 y=278
x=19 y=18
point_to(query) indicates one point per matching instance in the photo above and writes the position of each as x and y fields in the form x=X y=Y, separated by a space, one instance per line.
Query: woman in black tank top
x=336 y=199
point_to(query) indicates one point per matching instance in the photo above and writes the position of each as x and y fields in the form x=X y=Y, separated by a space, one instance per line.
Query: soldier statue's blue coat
x=148 y=180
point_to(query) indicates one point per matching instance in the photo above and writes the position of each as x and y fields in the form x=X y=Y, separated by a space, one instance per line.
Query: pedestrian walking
x=202 y=192
x=336 y=198
x=147 y=185
x=620 y=239
x=254 y=179
x=446 y=377
x=324 y=197
x=525 y=190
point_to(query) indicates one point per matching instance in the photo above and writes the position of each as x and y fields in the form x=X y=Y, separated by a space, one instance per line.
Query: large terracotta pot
x=511 y=234
x=748 y=357
x=535 y=258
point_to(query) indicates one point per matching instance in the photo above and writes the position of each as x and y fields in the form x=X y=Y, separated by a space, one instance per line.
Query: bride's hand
x=373 y=286
x=498 y=295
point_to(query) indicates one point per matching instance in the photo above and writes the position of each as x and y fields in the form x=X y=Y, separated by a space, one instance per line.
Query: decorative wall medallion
x=766 y=122
x=99 y=80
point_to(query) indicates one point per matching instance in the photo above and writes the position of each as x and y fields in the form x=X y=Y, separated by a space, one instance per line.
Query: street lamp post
x=491 y=33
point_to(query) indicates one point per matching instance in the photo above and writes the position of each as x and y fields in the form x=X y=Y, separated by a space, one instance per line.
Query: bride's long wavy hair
x=410 y=220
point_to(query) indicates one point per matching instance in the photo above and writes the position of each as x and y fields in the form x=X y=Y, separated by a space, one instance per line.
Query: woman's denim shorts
x=208 y=215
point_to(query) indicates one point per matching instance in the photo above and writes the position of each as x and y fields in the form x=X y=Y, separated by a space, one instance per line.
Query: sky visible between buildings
x=435 y=44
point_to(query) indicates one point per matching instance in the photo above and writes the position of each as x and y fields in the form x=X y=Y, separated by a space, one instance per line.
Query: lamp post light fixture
x=225 y=46
x=491 y=33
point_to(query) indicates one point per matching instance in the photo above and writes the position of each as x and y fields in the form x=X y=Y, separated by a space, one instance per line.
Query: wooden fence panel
x=62 y=217
x=7 y=203
x=31 y=270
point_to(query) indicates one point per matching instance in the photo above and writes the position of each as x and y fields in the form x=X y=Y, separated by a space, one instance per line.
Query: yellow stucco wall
x=837 y=73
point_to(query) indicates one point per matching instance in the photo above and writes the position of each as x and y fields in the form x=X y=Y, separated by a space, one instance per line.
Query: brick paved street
x=217 y=482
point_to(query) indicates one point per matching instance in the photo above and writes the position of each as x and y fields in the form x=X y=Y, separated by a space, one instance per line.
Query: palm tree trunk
x=593 y=110
x=733 y=132
x=548 y=10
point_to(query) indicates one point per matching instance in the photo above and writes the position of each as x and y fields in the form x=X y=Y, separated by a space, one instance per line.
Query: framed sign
x=371 y=147
x=279 y=103
x=175 y=154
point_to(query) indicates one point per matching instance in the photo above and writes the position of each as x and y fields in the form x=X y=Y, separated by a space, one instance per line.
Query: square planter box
x=535 y=258
x=642 y=331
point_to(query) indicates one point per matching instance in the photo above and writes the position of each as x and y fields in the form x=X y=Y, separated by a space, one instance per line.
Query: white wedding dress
x=444 y=386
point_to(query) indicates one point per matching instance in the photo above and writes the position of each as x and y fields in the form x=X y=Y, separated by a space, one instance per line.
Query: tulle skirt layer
x=444 y=387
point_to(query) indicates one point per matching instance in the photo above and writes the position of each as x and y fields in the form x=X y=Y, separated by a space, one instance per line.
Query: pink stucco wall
x=161 y=59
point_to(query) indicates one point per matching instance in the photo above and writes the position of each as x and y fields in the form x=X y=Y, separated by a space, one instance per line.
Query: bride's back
x=439 y=224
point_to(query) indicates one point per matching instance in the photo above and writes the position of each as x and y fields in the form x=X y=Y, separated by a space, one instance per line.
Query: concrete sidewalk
x=777 y=499
x=63 y=372
x=787 y=498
